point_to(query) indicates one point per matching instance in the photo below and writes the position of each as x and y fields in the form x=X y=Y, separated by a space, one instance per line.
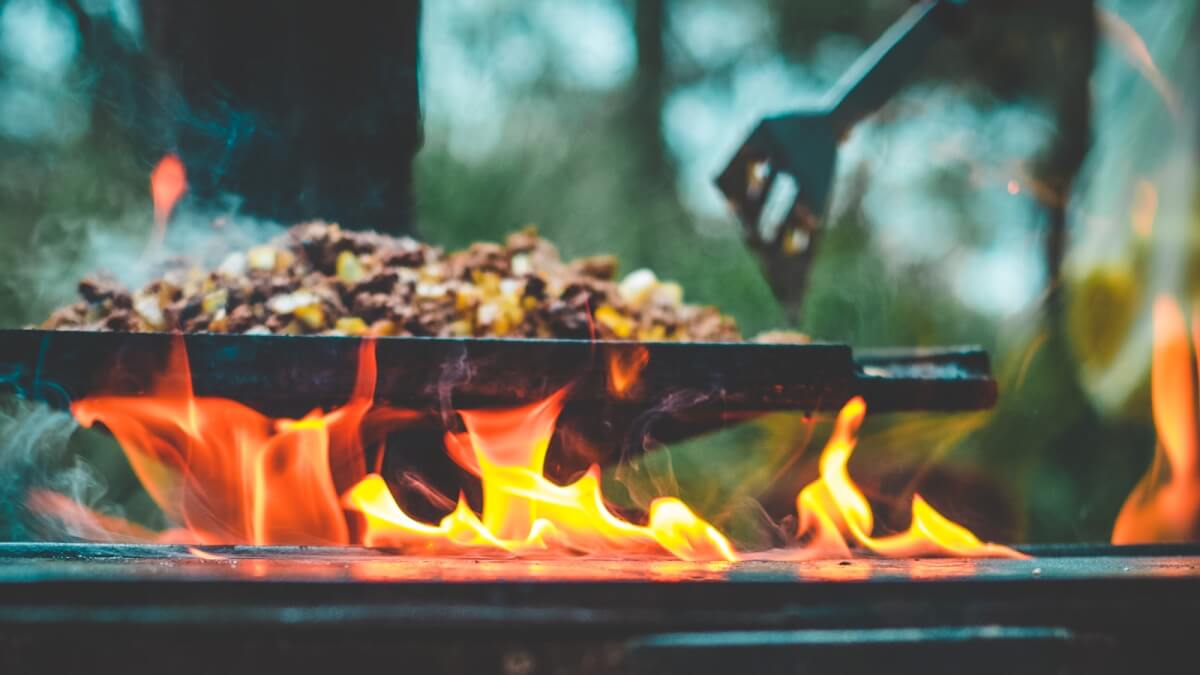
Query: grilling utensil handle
x=801 y=146
x=876 y=76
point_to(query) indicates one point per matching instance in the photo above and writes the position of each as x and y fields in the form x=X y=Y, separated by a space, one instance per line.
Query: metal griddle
x=290 y=374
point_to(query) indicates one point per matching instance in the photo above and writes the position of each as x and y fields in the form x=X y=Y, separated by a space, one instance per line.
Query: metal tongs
x=793 y=156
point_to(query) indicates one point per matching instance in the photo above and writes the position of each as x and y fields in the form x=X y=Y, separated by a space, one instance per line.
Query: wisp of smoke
x=34 y=447
x=44 y=274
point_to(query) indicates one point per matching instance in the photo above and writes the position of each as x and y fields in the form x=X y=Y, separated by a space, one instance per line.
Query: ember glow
x=1165 y=505
x=624 y=368
x=223 y=473
x=168 y=182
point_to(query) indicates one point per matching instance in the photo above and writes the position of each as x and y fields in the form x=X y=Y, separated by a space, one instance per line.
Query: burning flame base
x=223 y=473
x=1165 y=505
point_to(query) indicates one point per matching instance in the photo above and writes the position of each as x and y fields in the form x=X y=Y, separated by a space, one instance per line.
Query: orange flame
x=832 y=510
x=624 y=368
x=1165 y=505
x=227 y=473
x=168 y=182
x=223 y=473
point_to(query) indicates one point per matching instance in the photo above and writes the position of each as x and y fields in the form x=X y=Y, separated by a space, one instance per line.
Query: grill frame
x=1109 y=609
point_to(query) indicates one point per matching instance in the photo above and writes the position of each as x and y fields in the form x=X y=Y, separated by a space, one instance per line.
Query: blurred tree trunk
x=649 y=90
x=304 y=110
x=1074 y=126
x=117 y=74
x=662 y=216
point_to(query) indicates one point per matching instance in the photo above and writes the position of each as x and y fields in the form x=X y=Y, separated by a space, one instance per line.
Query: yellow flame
x=833 y=510
x=524 y=512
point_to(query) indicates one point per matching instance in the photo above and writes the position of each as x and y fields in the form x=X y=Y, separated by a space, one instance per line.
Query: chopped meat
x=98 y=289
x=317 y=278
x=597 y=267
x=121 y=320
x=380 y=282
x=68 y=316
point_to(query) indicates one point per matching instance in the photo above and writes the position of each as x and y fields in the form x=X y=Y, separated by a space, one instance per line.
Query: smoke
x=454 y=373
x=83 y=112
x=643 y=480
x=61 y=250
x=411 y=482
x=36 y=457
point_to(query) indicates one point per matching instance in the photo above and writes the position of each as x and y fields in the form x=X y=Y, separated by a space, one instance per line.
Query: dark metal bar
x=19 y=552
x=1104 y=550
x=888 y=64
x=941 y=649
x=295 y=373
x=296 y=609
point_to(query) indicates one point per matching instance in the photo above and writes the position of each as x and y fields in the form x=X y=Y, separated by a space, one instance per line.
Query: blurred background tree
x=957 y=216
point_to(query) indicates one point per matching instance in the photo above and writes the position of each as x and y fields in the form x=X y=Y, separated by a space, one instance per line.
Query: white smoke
x=63 y=250
x=34 y=447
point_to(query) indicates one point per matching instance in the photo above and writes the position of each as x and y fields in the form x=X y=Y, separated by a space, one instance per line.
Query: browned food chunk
x=319 y=279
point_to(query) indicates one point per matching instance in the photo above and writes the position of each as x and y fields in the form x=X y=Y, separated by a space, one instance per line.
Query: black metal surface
x=295 y=608
x=297 y=373
x=945 y=649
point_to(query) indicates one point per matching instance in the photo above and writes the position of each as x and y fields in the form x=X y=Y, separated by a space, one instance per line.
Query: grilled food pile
x=320 y=279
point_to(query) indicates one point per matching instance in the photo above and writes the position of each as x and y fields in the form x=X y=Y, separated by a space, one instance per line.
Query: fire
x=168 y=182
x=524 y=512
x=227 y=474
x=833 y=512
x=223 y=473
x=1165 y=505
x=624 y=368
